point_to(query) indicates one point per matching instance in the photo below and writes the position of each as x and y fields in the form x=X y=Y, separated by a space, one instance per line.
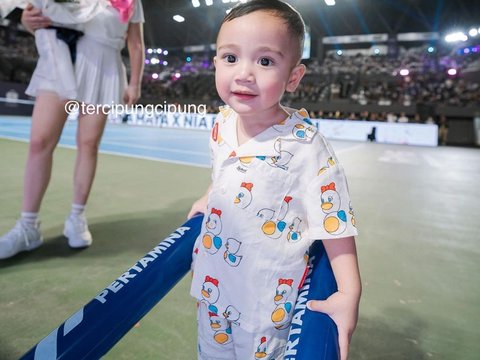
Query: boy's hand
x=199 y=206
x=343 y=309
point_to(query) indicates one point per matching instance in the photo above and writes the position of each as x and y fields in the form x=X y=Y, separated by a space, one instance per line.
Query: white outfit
x=244 y=345
x=271 y=198
x=98 y=75
x=7 y=6
x=70 y=14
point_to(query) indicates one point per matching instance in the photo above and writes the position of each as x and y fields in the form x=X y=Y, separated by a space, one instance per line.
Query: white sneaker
x=76 y=231
x=21 y=238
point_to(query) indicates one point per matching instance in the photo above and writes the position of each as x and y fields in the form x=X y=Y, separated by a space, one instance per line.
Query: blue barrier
x=313 y=335
x=94 y=329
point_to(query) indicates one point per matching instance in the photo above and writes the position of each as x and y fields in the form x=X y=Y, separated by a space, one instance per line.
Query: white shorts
x=220 y=339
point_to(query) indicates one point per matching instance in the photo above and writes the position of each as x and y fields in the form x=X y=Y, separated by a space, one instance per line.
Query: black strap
x=70 y=37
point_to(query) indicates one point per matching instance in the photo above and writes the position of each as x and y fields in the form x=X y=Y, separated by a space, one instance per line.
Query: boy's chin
x=243 y=109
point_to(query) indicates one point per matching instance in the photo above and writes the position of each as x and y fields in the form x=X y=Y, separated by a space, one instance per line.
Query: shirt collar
x=296 y=127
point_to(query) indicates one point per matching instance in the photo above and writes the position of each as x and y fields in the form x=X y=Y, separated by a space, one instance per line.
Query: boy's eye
x=265 y=62
x=230 y=58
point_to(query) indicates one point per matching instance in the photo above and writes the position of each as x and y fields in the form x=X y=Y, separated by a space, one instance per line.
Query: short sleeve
x=138 y=16
x=327 y=202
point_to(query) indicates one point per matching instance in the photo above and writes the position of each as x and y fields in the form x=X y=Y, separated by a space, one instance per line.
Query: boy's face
x=256 y=62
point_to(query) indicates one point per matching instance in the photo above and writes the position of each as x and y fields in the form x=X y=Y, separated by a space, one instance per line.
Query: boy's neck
x=250 y=125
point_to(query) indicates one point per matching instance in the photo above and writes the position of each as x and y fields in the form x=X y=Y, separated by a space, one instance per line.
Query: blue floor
x=170 y=145
x=180 y=146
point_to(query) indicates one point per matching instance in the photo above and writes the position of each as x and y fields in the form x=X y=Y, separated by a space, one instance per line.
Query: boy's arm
x=342 y=306
x=136 y=52
x=200 y=206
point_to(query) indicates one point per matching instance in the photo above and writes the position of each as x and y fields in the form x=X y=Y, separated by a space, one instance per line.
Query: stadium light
x=473 y=32
x=456 y=37
x=431 y=49
x=404 y=72
x=452 y=72
x=200 y=3
x=178 y=18
x=339 y=52
x=330 y=2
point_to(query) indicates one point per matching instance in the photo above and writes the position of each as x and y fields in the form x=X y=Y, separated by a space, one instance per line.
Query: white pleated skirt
x=98 y=76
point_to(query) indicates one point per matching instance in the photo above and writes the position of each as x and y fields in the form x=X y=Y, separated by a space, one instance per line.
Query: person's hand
x=33 y=19
x=343 y=309
x=199 y=206
x=131 y=94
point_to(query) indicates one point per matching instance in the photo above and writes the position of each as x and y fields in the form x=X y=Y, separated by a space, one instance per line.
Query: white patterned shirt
x=270 y=199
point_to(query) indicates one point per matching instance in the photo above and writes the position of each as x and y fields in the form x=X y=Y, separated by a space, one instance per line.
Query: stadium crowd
x=359 y=79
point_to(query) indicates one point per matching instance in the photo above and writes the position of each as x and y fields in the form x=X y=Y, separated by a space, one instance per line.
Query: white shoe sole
x=76 y=245
x=35 y=245
x=32 y=247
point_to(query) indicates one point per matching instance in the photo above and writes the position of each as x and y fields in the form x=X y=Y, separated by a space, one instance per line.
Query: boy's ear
x=215 y=61
x=295 y=76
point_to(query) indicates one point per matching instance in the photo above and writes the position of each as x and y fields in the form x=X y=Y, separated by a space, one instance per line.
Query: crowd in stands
x=181 y=79
x=18 y=56
x=360 y=79
x=378 y=79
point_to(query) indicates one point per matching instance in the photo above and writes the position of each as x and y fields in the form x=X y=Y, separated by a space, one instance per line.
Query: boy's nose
x=245 y=73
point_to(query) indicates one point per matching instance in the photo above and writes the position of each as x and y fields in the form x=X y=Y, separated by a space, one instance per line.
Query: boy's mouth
x=244 y=95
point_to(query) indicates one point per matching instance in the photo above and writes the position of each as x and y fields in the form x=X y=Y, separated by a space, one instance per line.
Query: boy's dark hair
x=292 y=17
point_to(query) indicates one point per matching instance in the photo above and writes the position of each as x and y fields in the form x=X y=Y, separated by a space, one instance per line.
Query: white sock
x=78 y=210
x=29 y=218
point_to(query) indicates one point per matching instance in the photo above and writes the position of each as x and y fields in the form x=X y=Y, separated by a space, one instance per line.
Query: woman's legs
x=89 y=134
x=48 y=119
